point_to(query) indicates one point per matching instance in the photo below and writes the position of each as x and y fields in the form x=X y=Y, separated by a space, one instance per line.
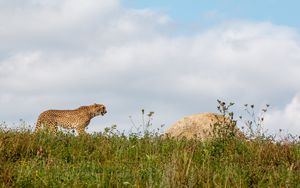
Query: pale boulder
x=199 y=126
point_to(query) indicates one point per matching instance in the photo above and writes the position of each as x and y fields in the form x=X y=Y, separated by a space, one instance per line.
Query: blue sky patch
x=275 y=11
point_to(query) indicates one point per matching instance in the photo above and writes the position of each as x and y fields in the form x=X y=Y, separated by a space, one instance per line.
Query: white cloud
x=48 y=16
x=286 y=119
x=62 y=55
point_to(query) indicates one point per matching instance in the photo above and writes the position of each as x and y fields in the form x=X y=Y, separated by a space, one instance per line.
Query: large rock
x=200 y=126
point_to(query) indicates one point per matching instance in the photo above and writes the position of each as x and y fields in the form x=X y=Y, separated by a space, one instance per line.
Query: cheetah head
x=99 y=109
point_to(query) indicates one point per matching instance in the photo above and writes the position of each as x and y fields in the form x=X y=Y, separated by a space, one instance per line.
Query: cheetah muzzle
x=77 y=119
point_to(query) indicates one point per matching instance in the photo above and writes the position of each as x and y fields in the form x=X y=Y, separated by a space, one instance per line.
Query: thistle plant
x=143 y=128
x=254 y=125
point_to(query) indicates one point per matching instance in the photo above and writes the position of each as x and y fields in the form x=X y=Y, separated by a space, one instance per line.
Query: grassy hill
x=115 y=160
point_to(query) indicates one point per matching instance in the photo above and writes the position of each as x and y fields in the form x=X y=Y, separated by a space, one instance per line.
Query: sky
x=213 y=11
x=175 y=58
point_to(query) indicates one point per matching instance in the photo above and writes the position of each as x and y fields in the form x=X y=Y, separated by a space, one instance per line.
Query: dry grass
x=115 y=160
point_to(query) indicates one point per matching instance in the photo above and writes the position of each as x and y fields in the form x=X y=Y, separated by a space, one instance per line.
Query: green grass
x=115 y=160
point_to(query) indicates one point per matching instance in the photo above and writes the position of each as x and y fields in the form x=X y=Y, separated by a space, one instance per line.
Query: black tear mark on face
x=100 y=109
x=103 y=110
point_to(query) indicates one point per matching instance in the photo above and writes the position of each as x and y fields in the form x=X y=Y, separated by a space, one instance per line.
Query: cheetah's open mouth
x=104 y=112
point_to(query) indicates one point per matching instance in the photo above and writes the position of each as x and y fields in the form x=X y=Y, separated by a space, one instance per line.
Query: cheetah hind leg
x=41 y=126
x=48 y=127
x=53 y=128
x=38 y=126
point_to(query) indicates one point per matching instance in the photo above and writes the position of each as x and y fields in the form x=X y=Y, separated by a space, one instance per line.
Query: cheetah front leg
x=81 y=131
x=81 y=128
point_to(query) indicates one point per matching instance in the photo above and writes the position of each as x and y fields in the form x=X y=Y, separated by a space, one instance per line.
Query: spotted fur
x=77 y=119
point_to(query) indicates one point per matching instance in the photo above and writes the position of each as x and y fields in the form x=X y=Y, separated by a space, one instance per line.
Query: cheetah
x=77 y=119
